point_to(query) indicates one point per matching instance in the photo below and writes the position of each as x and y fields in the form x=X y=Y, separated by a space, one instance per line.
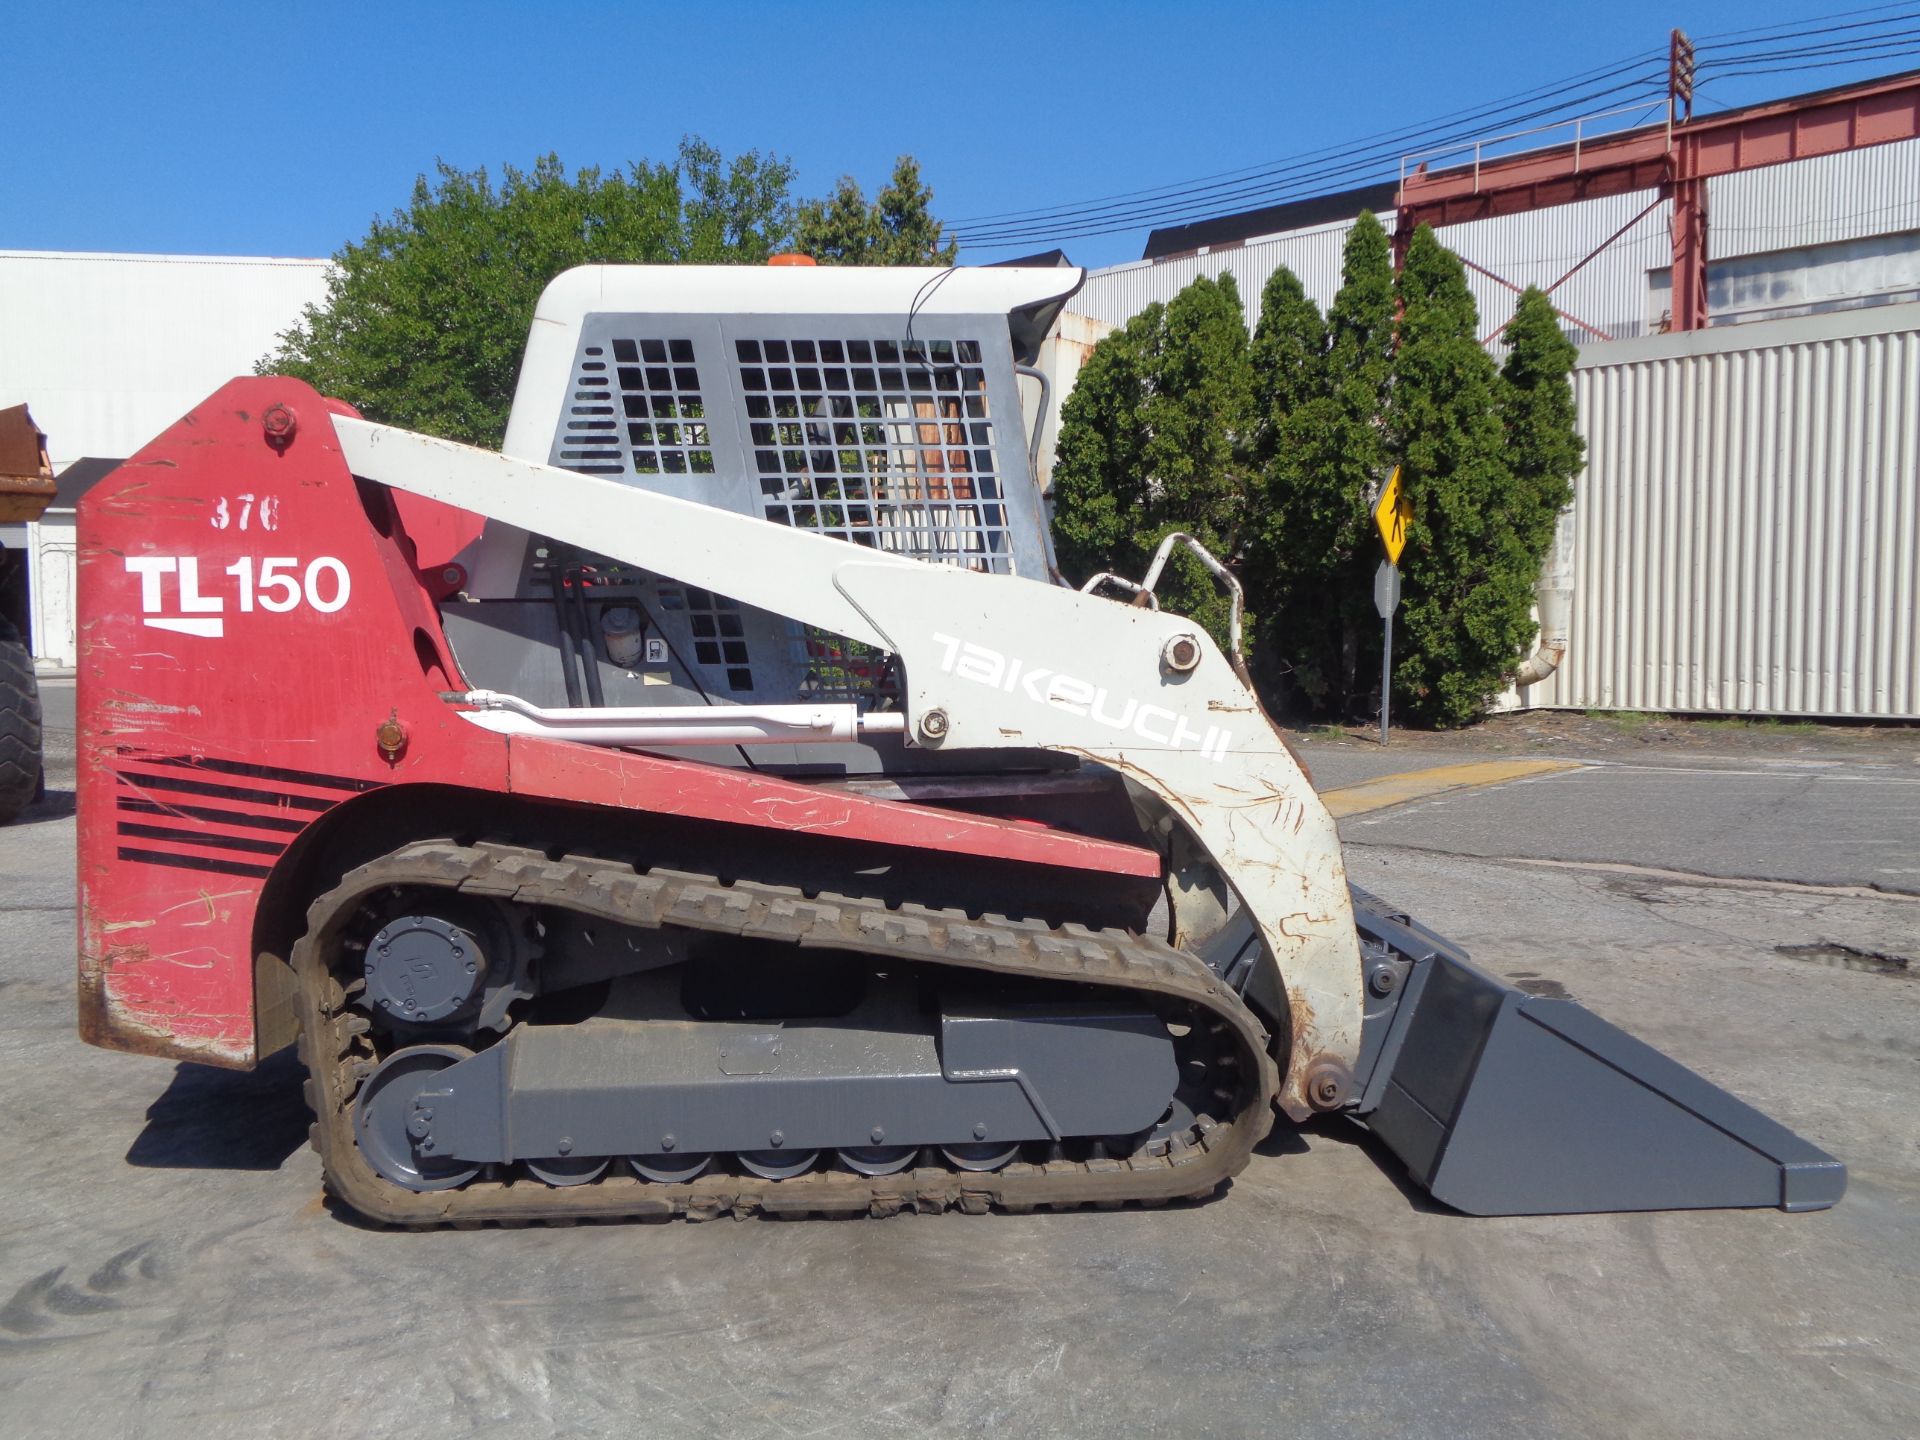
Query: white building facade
x=109 y=350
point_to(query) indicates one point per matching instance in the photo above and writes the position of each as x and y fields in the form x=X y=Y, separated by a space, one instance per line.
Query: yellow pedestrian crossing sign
x=1391 y=514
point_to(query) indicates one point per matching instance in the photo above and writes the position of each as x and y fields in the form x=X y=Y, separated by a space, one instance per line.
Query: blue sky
x=281 y=130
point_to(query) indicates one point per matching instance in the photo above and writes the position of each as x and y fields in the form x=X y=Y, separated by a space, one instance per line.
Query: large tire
x=20 y=755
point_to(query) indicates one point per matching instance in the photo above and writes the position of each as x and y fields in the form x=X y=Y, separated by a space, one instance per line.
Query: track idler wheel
x=393 y=1111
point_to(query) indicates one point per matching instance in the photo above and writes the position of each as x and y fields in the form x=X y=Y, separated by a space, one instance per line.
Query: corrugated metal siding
x=1118 y=294
x=1538 y=248
x=1747 y=528
x=1062 y=354
x=1814 y=202
x=109 y=350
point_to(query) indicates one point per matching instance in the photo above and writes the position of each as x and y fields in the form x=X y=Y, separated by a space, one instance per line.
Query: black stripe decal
x=225 y=792
x=194 y=862
x=133 y=804
x=244 y=843
x=257 y=772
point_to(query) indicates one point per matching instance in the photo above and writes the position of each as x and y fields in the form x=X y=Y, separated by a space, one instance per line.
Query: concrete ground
x=168 y=1270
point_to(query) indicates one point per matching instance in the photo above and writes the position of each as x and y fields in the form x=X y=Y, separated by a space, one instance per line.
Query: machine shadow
x=52 y=805
x=208 y=1119
x=1288 y=1140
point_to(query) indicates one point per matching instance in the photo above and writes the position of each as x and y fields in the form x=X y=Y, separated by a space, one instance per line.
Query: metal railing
x=1580 y=125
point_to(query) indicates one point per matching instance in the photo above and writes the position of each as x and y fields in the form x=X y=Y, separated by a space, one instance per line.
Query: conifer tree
x=898 y=228
x=1469 y=570
x=1272 y=454
x=1155 y=438
x=1288 y=354
x=1100 y=482
x=1536 y=407
x=1315 y=554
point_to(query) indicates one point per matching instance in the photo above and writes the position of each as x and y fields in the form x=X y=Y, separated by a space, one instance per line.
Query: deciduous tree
x=426 y=316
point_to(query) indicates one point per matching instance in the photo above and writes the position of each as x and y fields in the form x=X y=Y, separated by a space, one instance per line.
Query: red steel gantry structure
x=1675 y=159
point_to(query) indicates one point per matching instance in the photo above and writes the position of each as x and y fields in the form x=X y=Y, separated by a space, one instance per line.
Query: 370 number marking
x=241 y=511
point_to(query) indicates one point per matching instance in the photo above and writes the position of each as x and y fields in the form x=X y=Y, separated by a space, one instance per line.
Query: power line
x=1379 y=164
x=1818 y=21
x=1538 y=92
x=1307 y=171
x=1725 y=56
x=1819 y=65
x=1321 y=162
x=1860 y=44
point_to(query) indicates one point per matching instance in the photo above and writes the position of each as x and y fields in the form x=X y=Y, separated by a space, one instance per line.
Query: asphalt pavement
x=1821 y=823
x=1823 y=817
x=168 y=1268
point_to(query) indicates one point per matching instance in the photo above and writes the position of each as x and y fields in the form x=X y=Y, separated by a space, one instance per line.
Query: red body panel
x=246 y=629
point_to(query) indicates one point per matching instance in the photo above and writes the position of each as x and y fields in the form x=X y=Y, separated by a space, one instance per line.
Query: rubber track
x=338 y=1055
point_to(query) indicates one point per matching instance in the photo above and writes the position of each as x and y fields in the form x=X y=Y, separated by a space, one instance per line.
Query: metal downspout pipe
x=1554 y=599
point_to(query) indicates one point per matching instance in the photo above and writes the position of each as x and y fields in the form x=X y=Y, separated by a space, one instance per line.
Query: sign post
x=1390 y=516
x=1386 y=599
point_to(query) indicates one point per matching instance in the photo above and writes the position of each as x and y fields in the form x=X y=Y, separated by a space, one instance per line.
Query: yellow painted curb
x=1379 y=793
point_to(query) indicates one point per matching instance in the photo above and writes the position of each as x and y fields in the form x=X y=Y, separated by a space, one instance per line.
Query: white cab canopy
x=870 y=290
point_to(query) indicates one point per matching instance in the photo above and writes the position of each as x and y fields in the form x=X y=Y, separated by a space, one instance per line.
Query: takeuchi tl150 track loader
x=716 y=802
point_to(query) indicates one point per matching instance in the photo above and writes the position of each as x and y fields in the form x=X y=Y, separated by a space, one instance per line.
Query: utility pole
x=1688 y=192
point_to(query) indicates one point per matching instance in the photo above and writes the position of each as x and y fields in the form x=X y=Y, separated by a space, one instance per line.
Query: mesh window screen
x=836 y=668
x=718 y=632
x=647 y=405
x=878 y=442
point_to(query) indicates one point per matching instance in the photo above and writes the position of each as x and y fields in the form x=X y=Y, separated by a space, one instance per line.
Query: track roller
x=669 y=1168
x=980 y=1158
x=568 y=1171
x=878 y=1159
x=778 y=1164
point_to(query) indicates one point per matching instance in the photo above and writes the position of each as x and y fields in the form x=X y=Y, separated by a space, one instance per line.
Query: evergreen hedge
x=1272 y=452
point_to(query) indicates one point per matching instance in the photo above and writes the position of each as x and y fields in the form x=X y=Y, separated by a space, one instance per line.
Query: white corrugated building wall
x=1746 y=536
x=109 y=350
